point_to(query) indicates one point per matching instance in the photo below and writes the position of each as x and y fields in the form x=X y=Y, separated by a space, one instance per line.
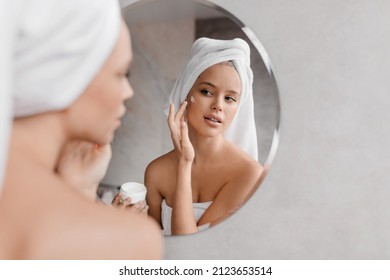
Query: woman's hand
x=125 y=203
x=83 y=165
x=183 y=220
x=179 y=133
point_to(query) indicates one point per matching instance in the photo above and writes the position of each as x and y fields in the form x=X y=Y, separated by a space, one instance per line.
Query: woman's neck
x=40 y=138
x=206 y=148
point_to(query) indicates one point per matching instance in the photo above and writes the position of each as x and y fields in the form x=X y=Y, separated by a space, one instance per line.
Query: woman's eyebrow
x=214 y=86
x=208 y=83
x=234 y=92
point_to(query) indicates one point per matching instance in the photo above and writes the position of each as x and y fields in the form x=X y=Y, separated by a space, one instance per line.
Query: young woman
x=206 y=177
x=70 y=64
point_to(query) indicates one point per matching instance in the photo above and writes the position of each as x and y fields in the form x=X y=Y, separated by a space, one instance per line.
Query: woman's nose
x=128 y=91
x=216 y=105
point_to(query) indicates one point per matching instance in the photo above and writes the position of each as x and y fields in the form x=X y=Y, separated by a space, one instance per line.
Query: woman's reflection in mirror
x=213 y=168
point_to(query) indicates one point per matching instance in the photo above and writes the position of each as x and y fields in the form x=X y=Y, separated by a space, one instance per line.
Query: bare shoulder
x=68 y=226
x=85 y=236
x=242 y=176
x=161 y=168
x=242 y=164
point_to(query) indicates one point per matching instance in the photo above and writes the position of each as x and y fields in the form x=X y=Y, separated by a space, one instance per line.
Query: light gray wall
x=327 y=193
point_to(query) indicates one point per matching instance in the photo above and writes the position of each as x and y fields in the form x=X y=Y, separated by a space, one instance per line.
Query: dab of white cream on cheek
x=192 y=99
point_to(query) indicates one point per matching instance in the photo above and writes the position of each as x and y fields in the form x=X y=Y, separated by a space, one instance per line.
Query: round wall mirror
x=162 y=34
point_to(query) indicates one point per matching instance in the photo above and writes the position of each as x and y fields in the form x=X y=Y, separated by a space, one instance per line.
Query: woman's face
x=213 y=99
x=97 y=113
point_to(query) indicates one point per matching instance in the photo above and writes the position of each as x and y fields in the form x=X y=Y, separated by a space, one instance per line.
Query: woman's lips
x=213 y=121
x=118 y=123
x=213 y=117
x=122 y=111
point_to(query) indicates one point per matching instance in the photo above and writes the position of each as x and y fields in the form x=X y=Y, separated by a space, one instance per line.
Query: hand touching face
x=179 y=133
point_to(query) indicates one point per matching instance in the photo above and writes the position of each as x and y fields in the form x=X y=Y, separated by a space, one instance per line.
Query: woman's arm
x=153 y=195
x=183 y=220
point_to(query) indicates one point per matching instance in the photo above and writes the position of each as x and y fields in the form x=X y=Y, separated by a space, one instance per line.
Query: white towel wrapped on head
x=52 y=50
x=207 y=52
x=60 y=48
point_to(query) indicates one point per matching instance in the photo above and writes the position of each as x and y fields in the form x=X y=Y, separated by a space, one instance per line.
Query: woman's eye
x=123 y=76
x=230 y=99
x=205 y=92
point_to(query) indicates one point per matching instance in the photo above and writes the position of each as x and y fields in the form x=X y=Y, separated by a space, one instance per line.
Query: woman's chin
x=104 y=140
x=211 y=132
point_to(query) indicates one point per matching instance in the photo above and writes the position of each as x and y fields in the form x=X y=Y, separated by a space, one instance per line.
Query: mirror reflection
x=192 y=188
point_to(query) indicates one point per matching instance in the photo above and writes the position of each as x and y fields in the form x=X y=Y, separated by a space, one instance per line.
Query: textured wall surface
x=327 y=193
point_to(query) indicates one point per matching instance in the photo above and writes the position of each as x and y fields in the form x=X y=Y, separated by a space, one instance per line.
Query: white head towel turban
x=61 y=47
x=58 y=47
x=7 y=22
x=207 y=52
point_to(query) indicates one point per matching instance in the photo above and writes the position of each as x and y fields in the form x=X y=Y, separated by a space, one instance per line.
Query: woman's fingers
x=171 y=116
x=120 y=201
x=172 y=126
x=174 y=123
x=116 y=199
x=136 y=207
x=180 y=114
x=139 y=207
x=145 y=210
x=186 y=146
x=185 y=139
x=179 y=131
x=175 y=119
x=126 y=202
